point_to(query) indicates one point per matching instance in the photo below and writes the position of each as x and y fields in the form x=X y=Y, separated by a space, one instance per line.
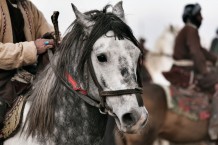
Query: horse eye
x=102 y=58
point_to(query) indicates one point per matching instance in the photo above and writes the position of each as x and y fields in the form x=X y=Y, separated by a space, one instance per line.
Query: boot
x=213 y=123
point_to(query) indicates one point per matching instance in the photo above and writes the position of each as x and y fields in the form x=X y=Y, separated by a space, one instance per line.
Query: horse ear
x=118 y=10
x=83 y=19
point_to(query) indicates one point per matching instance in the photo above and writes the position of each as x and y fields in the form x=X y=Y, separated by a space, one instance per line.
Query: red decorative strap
x=74 y=84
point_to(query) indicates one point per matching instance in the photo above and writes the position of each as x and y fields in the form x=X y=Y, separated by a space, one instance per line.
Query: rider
x=187 y=43
x=21 y=27
x=189 y=55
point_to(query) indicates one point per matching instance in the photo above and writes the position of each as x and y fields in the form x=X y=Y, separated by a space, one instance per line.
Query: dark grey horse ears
x=83 y=19
x=118 y=10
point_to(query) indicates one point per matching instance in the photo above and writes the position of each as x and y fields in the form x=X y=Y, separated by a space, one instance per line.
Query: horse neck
x=77 y=123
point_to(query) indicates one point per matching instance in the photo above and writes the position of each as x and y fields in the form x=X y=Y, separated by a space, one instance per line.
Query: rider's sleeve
x=193 y=43
x=16 y=55
x=40 y=23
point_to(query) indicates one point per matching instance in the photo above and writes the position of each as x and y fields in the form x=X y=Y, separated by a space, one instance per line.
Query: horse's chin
x=135 y=128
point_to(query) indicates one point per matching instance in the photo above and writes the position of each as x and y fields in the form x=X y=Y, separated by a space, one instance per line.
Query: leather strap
x=121 y=92
x=88 y=100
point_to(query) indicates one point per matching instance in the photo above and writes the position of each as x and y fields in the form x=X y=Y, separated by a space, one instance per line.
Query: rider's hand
x=42 y=45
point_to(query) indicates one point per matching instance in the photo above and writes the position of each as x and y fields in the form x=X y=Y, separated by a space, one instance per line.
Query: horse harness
x=103 y=108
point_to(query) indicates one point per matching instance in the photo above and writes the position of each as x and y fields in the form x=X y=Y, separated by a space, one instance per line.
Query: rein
x=103 y=108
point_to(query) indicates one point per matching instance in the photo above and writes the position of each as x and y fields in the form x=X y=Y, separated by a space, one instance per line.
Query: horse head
x=111 y=56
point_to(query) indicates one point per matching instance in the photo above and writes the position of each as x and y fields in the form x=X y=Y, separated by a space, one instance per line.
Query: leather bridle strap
x=94 y=78
x=121 y=92
x=137 y=91
x=88 y=100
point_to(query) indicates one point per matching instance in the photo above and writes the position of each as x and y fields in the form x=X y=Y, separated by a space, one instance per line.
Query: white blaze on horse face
x=115 y=63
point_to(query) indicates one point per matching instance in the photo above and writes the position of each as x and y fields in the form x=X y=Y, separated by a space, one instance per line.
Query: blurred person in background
x=190 y=69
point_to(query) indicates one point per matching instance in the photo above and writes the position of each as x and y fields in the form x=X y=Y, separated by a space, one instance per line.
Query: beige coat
x=24 y=53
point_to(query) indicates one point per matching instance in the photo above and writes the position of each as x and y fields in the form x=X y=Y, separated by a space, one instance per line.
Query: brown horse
x=164 y=123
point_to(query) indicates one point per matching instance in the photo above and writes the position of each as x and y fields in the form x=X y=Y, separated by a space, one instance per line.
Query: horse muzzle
x=133 y=121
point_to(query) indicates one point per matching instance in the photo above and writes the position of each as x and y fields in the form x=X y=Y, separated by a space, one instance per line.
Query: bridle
x=72 y=86
x=103 y=94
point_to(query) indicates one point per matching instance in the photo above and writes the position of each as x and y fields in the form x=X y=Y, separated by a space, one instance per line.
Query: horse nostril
x=128 y=119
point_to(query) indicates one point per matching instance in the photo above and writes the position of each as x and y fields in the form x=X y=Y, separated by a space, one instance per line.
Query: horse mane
x=71 y=56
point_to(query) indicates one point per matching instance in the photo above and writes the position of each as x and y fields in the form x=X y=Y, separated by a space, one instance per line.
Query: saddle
x=13 y=118
x=179 y=76
x=191 y=95
x=191 y=103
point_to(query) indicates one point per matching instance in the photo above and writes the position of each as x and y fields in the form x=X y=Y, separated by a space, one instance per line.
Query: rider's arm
x=193 y=43
x=21 y=54
x=209 y=55
x=16 y=55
